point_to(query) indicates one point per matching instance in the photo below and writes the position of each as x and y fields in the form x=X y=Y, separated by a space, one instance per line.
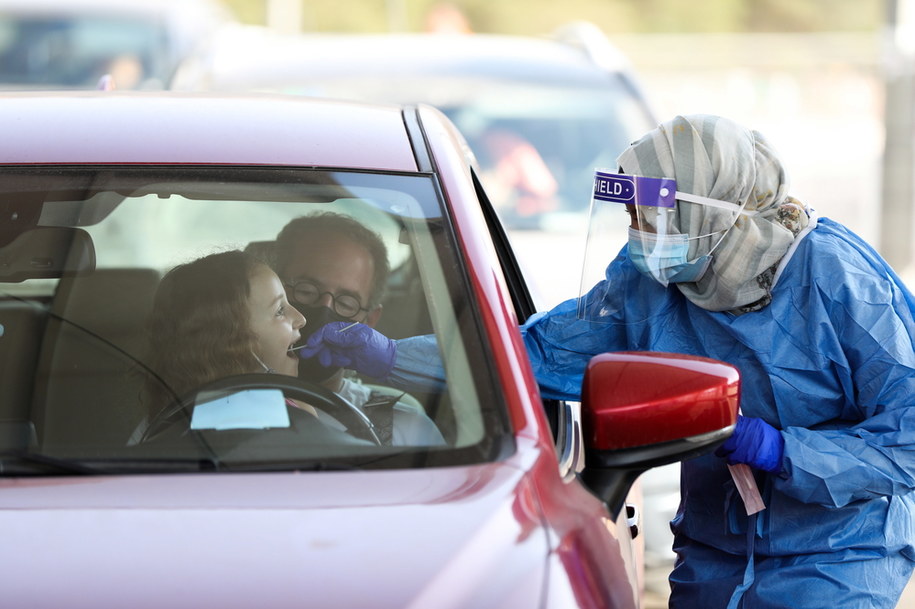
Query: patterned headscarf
x=714 y=157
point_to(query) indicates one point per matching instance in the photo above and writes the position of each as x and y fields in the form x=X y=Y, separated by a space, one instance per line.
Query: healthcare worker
x=722 y=263
x=729 y=266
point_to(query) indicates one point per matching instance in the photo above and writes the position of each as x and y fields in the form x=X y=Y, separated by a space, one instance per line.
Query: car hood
x=450 y=537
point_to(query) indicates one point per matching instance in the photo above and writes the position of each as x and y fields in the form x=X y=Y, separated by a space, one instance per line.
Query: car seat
x=91 y=366
x=22 y=324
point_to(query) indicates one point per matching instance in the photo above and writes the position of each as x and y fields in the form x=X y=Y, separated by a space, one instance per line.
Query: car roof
x=148 y=8
x=249 y=57
x=146 y=127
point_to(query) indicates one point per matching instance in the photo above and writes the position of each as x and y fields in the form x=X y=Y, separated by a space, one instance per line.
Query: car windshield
x=80 y=263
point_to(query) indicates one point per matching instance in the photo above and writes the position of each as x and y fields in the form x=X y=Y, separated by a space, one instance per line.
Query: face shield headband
x=657 y=246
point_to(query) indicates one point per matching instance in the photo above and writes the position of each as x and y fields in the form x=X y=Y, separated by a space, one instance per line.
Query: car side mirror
x=644 y=409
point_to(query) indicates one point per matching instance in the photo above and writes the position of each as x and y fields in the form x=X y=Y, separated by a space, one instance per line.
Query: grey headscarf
x=714 y=157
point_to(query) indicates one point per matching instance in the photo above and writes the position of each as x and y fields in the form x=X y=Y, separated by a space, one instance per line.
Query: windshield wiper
x=34 y=463
x=38 y=464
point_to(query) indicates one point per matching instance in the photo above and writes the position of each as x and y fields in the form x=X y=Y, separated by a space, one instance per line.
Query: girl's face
x=274 y=321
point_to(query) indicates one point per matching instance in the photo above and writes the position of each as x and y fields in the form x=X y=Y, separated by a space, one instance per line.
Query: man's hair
x=330 y=222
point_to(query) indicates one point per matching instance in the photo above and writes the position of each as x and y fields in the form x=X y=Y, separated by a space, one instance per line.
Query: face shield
x=672 y=235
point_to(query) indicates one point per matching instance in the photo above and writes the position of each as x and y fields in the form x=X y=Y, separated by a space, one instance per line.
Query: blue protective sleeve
x=562 y=341
x=558 y=365
x=418 y=365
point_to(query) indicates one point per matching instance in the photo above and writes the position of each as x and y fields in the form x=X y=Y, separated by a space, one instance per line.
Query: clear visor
x=666 y=228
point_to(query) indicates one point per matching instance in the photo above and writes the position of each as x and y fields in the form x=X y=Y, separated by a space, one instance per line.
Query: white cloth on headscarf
x=714 y=157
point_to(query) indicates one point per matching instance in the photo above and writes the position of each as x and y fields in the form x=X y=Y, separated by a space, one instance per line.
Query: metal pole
x=897 y=221
x=285 y=16
x=397 y=15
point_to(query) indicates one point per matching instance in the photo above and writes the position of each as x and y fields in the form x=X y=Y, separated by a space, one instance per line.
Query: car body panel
x=172 y=132
x=323 y=539
x=384 y=539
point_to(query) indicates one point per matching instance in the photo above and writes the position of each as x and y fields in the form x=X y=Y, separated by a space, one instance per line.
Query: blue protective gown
x=830 y=363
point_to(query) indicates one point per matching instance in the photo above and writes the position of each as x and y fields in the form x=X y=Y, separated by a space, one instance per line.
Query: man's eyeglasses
x=308 y=294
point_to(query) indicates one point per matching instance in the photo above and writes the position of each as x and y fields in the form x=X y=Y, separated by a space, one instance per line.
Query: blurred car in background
x=71 y=44
x=103 y=192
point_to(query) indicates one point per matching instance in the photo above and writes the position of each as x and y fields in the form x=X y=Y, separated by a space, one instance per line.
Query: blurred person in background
x=446 y=18
x=517 y=175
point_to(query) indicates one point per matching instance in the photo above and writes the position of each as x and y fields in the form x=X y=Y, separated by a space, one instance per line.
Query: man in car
x=335 y=269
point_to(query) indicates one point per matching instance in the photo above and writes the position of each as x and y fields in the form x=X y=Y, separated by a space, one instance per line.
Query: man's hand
x=357 y=347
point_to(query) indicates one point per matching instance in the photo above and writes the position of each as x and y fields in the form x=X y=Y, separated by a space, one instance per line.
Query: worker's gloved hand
x=755 y=443
x=357 y=347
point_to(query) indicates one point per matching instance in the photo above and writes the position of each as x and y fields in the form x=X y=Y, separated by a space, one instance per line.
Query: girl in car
x=194 y=330
x=221 y=315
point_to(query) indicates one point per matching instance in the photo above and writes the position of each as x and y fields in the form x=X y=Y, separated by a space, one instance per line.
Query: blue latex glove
x=357 y=347
x=755 y=443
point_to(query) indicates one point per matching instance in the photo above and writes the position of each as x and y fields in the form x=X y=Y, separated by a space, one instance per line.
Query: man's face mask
x=316 y=317
x=657 y=248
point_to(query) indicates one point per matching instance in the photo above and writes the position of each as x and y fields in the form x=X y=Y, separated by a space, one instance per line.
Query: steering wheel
x=321 y=398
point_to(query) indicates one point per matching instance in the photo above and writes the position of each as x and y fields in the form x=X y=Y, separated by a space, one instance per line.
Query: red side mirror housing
x=637 y=399
x=644 y=409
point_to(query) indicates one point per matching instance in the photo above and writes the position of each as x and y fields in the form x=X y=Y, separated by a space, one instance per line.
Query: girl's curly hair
x=199 y=327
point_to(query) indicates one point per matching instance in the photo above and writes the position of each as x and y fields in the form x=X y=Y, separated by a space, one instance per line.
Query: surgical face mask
x=316 y=318
x=665 y=257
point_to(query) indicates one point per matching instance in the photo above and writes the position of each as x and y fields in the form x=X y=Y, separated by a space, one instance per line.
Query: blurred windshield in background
x=71 y=44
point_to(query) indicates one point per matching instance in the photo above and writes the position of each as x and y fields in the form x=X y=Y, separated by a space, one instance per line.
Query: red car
x=521 y=506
